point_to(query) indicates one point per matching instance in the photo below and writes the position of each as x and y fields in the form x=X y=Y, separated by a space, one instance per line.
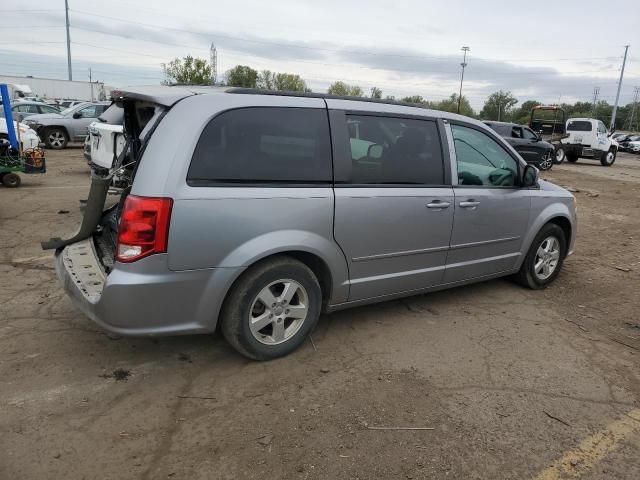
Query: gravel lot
x=514 y=383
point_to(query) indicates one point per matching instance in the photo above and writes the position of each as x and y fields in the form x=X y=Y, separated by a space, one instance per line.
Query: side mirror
x=375 y=151
x=77 y=115
x=530 y=176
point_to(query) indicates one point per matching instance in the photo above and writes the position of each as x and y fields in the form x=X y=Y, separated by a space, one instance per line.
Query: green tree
x=290 y=82
x=376 y=92
x=187 y=71
x=522 y=114
x=266 y=80
x=242 y=76
x=345 y=90
x=499 y=106
x=416 y=99
x=451 y=105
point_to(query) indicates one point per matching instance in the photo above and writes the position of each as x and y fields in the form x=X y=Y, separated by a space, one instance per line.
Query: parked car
x=28 y=137
x=589 y=138
x=634 y=146
x=70 y=125
x=103 y=134
x=625 y=143
x=526 y=142
x=69 y=103
x=22 y=109
x=260 y=211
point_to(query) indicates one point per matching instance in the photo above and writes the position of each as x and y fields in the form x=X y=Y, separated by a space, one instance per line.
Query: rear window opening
x=579 y=126
x=263 y=144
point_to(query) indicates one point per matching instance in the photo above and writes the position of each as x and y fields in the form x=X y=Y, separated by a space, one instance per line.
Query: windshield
x=69 y=110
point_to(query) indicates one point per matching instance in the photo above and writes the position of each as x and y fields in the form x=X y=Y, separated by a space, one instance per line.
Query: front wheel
x=546 y=162
x=559 y=155
x=544 y=259
x=56 y=138
x=272 y=308
x=608 y=158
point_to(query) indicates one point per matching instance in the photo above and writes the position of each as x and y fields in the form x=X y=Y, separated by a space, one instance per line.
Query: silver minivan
x=260 y=210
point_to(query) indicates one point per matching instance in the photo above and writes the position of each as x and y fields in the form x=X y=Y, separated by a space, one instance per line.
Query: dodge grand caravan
x=260 y=210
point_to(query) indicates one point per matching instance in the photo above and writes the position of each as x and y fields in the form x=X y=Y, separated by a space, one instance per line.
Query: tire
x=56 y=138
x=608 y=158
x=560 y=155
x=572 y=157
x=244 y=302
x=546 y=162
x=536 y=279
x=11 y=180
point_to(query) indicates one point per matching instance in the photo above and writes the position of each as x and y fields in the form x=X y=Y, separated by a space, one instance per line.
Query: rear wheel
x=544 y=259
x=559 y=155
x=11 y=180
x=608 y=158
x=55 y=138
x=272 y=308
x=572 y=157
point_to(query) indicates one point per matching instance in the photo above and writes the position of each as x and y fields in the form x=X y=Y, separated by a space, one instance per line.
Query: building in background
x=51 y=88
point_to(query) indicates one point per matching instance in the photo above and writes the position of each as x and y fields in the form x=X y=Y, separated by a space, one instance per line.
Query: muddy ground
x=514 y=383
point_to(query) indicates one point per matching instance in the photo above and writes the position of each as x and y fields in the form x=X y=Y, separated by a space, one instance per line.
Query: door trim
x=484 y=242
x=399 y=254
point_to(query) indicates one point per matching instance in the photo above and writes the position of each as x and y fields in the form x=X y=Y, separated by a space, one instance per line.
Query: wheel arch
x=313 y=261
x=46 y=128
x=557 y=214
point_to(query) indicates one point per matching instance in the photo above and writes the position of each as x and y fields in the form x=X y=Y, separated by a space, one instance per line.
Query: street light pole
x=615 y=106
x=66 y=15
x=463 y=64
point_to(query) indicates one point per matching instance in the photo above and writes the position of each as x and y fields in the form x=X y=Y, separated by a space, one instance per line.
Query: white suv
x=589 y=138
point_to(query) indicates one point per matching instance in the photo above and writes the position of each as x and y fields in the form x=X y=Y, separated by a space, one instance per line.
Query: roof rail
x=285 y=93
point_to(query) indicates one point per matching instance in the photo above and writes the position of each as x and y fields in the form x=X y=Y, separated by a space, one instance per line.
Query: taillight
x=144 y=227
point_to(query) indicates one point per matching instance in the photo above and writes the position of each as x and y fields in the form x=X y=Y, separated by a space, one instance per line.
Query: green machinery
x=13 y=159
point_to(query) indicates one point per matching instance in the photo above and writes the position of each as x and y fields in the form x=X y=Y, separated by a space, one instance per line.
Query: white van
x=589 y=138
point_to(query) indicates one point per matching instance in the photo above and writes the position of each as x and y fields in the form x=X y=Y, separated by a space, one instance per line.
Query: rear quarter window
x=263 y=144
x=578 y=126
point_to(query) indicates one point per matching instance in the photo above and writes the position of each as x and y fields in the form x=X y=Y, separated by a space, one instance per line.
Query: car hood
x=3 y=125
x=552 y=187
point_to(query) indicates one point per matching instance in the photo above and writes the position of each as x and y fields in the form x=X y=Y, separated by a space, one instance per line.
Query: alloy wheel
x=56 y=139
x=547 y=258
x=278 y=311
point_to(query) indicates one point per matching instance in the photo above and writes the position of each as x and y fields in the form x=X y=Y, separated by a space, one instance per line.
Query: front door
x=491 y=210
x=80 y=125
x=393 y=211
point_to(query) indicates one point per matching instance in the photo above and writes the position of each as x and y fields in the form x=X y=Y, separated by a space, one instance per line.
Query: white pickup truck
x=589 y=138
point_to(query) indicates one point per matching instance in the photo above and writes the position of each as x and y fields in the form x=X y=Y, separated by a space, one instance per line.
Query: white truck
x=589 y=138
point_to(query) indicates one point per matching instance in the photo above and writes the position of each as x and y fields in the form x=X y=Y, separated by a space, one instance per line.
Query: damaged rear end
x=114 y=267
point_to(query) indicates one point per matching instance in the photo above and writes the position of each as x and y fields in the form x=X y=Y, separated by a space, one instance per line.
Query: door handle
x=438 y=204
x=472 y=204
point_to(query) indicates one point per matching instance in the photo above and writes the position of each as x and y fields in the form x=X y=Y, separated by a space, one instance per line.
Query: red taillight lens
x=144 y=227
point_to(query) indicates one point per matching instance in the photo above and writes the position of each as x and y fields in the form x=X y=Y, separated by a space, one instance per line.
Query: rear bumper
x=144 y=298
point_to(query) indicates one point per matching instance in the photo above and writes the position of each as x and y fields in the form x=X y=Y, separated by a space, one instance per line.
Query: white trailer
x=50 y=88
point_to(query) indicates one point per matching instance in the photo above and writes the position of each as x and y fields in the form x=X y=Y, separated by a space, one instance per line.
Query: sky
x=550 y=51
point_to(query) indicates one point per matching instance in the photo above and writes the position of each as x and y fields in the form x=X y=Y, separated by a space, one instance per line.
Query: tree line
x=500 y=106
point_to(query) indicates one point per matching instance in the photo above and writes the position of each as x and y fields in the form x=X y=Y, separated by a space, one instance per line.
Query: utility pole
x=596 y=92
x=91 y=83
x=463 y=64
x=636 y=92
x=66 y=15
x=213 y=60
x=615 y=106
